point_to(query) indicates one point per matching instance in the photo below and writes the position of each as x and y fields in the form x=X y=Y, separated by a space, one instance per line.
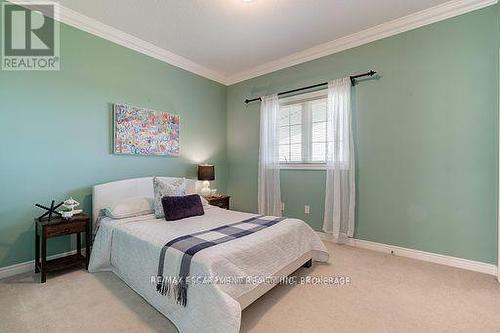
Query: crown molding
x=416 y=20
x=97 y=28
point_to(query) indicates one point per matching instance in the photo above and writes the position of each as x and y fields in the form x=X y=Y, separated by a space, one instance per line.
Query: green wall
x=426 y=138
x=425 y=132
x=56 y=131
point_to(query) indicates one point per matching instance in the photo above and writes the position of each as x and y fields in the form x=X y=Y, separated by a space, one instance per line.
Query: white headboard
x=105 y=195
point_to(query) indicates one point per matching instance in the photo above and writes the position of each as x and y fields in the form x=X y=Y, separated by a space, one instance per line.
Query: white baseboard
x=471 y=265
x=419 y=255
x=29 y=266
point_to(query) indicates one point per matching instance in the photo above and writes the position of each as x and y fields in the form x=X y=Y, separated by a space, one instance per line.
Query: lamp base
x=205 y=190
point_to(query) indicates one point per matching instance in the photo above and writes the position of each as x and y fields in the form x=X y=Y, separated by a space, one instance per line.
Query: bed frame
x=105 y=195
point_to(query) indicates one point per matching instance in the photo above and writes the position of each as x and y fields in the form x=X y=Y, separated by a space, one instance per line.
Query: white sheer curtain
x=340 y=177
x=269 y=193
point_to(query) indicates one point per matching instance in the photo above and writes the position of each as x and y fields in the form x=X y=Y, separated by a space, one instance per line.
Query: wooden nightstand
x=61 y=227
x=219 y=200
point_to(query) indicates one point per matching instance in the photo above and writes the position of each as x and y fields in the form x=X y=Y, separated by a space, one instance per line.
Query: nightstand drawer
x=219 y=200
x=221 y=203
x=65 y=229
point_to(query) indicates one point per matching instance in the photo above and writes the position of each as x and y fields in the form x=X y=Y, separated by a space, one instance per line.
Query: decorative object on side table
x=70 y=205
x=219 y=200
x=50 y=210
x=58 y=226
x=206 y=172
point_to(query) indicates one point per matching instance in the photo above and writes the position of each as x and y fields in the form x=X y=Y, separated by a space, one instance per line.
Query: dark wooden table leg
x=78 y=243
x=88 y=235
x=43 y=276
x=37 y=249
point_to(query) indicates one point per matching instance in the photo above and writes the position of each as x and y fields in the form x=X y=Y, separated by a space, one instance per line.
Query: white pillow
x=204 y=201
x=130 y=207
x=166 y=186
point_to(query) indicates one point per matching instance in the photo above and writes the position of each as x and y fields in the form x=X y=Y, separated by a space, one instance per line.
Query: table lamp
x=206 y=173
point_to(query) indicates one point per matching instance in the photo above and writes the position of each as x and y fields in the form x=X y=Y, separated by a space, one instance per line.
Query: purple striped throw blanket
x=191 y=244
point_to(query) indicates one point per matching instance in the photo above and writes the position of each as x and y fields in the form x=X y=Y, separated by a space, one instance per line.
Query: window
x=302 y=129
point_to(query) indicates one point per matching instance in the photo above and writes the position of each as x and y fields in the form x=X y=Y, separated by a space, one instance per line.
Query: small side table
x=219 y=200
x=58 y=226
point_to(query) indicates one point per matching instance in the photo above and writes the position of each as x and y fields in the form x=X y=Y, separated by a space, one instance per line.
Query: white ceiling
x=230 y=37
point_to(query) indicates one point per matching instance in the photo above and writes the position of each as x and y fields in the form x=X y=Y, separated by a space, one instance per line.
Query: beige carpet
x=386 y=294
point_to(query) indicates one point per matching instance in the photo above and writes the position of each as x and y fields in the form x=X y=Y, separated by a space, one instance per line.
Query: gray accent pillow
x=163 y=187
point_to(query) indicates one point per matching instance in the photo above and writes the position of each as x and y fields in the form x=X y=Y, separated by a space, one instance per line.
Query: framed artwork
x=140 y=131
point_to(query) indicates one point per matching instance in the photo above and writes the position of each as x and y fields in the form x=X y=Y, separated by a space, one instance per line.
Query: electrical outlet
x=307 y=209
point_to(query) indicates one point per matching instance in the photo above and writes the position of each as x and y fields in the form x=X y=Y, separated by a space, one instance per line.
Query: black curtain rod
x=352 y=77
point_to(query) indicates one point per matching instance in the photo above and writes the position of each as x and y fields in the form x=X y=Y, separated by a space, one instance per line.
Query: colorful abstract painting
x=140 y=131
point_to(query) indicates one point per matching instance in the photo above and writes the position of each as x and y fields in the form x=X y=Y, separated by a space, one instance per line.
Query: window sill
x=303 y=166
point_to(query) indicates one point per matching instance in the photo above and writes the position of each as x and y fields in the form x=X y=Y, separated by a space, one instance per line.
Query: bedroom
x=420 y=252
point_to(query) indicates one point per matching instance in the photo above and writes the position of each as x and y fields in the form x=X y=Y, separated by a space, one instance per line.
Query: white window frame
x=306 y=130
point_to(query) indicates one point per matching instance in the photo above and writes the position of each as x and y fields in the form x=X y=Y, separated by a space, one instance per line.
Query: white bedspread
x=131 y=248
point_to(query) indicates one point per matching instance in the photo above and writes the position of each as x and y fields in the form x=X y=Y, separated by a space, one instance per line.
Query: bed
x=130 y=248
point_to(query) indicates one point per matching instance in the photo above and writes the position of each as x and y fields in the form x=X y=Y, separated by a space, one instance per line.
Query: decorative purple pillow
x=180 y=207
